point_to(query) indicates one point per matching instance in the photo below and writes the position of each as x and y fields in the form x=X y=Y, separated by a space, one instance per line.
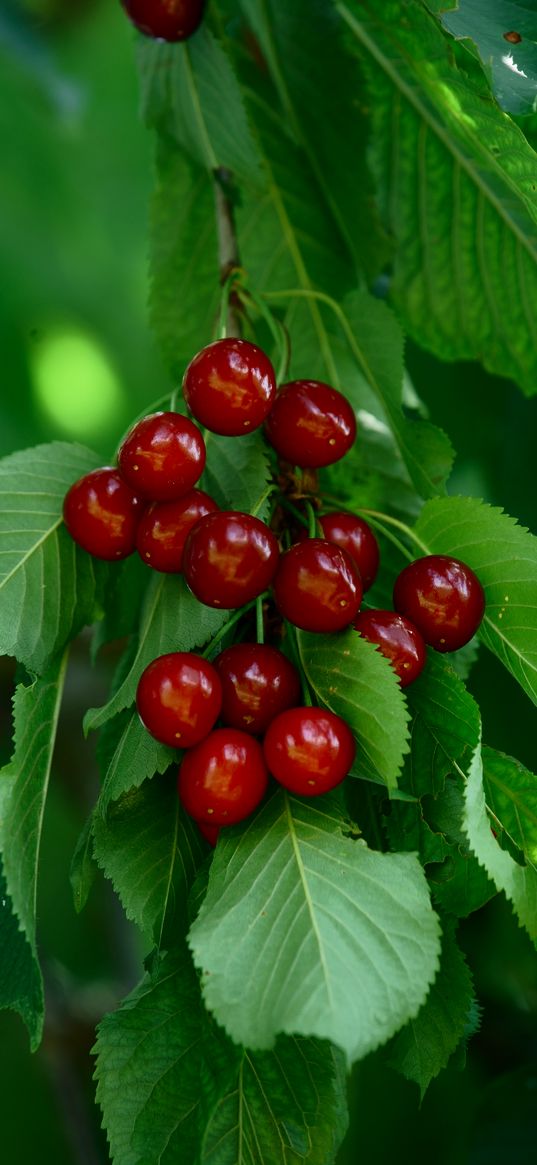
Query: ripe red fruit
x=162 y=456
x=171 y=20
x=179 y=696
x=164 y=528
x=398 y=639
x=443 y=598
x=229 y=558
x=230 y=387
x=357 y=538
x=101 y=513
x=309 y=750
x=317 y=586
x=209 y=832
x=258 y=682
x=310 y=424
x=224 y=778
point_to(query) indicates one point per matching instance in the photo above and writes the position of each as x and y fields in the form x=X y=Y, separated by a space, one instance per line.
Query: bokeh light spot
x=75 y=383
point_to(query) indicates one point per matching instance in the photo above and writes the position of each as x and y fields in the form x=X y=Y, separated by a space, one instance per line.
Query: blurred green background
x=78 y=363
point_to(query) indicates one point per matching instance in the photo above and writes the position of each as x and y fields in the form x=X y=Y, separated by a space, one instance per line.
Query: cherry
x=101 y=513
x=224 y=778
x=357 y=538
x=229 y=558
x=230 y=387
x=164 y=528
x=258 y=682
x=162 y=456
x=309 y=750
x=170 y=20
x=310 y=424
x=398 y=639
x=443 y=597
x=317 y=586
x=178 y=698
x=209 y=832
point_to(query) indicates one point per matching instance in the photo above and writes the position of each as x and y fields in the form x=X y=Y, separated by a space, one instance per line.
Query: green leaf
x=307 y=931
x=23 y=791
x=282 y=1107
x=188 y=1094
x=150 y=851
x=512 y=67
x=423 y=1048
x=511 y=793
x=83 y=869
x=504 y=556
x=49 y=587
x=184 y=289
x=458 y=193
x=352 y=678
x=135 y=756
x=444 y=731
x=21 y=984
x=183 y=87
x=172 y=620
x=237 y=472
x=332 y=132
x=519 y=883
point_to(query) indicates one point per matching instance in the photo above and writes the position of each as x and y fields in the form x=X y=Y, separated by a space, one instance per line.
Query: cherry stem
x=291 y=635
x=228 y=252
x=313 y=525
x=294 y=511
x=174 y=398
x=278 y=330
x=259 y=619
x=231 y=623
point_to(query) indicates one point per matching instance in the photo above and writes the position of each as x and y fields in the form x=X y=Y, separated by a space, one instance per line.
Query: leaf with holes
x=306 y=931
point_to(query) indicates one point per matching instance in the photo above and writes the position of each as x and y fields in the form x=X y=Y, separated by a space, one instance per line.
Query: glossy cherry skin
x=229 y=558
x=310 y=424
x=317 y=586
x=101 y=513
x=398 y=639
x=230 y=387
x=443 y=598
x=164 y=528
x=357 y=538
x=258 y=682
x=170 y=20
x=309 y=750
x=224 y=778
x=162 y=456
x=179 y=696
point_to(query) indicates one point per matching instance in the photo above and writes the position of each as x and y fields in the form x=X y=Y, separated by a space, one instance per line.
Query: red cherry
x=209 y=832
x=398 y=639
x=230 y=386
x=164 y=528
x=309 y=750
x=310 y=424
x=443 y=597
x=258 y=682
x=357 y=538
x=224 y=778
x=179 y=696
x=317 y=586
x=162 y=456
x=170 y=20
x=101 y=513
x=229 y=558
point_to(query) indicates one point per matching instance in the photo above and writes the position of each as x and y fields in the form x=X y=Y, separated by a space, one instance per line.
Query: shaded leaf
x=21 y=984
x=134 y=757
x=511 y=793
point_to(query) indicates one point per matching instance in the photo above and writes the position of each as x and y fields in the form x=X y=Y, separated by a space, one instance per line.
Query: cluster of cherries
x=230 y=559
